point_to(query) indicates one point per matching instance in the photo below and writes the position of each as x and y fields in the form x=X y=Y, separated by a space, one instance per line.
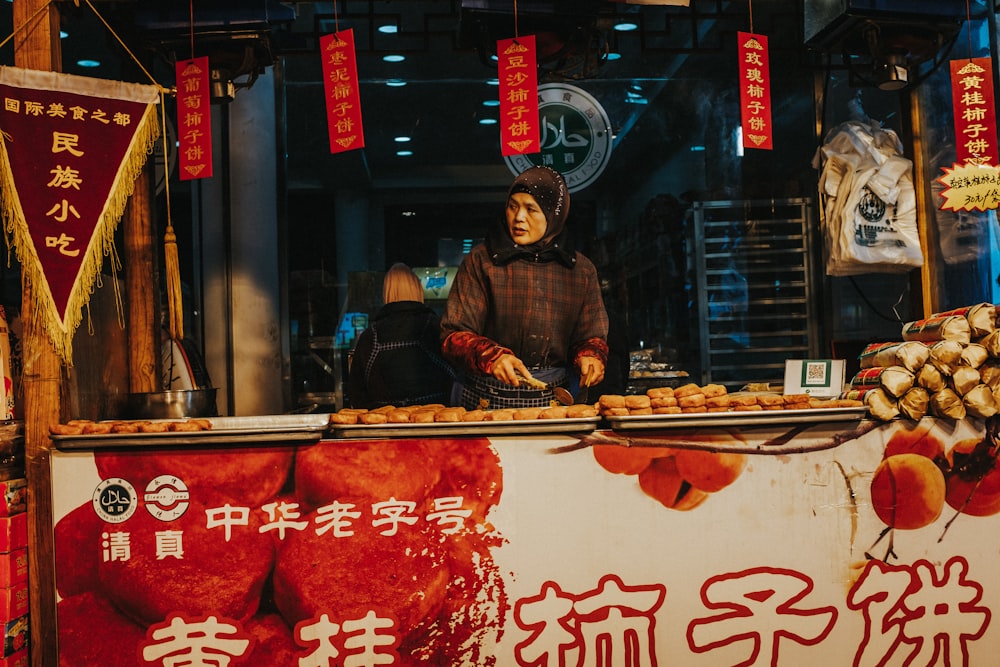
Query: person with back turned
x=397 y=360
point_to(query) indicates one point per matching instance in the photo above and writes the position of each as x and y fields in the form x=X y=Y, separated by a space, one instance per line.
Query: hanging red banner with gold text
x=520 y=133
x=343 y=95
x=194 y=119
x=975 y=111
x=755 y=91
x=973 y=182
x=70 y=152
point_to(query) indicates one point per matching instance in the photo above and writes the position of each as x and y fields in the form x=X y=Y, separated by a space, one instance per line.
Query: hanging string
x=175 y=309
x=750 y=7
x=516 y=35
x=127 y=50
x=336 y=21
x=191 y=22
x=26 y=23
x=968 y=27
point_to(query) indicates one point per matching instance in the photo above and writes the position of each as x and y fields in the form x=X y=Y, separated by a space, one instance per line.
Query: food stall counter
x=731 y=542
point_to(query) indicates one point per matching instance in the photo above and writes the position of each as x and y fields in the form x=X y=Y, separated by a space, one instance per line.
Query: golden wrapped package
x=991 y=342
x=981 y=317
x=913 y=404
x=974 y=355
x=893 y=379
x=964 y=379
x=881 y=405
x=930 y=378
x=947 y=404
x=989 y=372
x=946 y=327
x=946 y=355
x=911 y=355
x=980 y=402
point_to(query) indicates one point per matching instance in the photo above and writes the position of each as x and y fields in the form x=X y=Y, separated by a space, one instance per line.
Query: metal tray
x=467 y=429
x=263 y=430
x=736 y=418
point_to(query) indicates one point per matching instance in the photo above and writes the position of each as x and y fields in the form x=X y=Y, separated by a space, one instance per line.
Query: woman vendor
x=525 y=307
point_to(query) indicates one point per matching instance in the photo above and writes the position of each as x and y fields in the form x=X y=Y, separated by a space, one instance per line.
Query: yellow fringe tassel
x=174 y=303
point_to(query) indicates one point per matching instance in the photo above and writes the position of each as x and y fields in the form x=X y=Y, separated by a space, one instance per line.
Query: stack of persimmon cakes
x=690 y=398
x=693 y=398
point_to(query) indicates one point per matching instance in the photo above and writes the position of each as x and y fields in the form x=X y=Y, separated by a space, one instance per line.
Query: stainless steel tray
x=735 y=418
x=262 y=430
x=466 y=429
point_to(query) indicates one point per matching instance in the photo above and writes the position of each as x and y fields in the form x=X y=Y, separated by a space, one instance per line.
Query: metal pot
x=173 y=404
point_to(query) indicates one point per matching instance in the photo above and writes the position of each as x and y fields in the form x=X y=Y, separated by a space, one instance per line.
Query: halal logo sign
x=575 y=136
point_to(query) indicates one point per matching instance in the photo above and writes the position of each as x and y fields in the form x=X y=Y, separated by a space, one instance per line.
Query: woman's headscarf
x=548 y=188
x=401 y=284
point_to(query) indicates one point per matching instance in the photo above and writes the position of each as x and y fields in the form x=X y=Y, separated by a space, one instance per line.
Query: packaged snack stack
x=14 y=572
x=947 y=365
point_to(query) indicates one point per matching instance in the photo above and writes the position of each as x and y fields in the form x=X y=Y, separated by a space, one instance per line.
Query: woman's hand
x=510 y=370
x=591 y=371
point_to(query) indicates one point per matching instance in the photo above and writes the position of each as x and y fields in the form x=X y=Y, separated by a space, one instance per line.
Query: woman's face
x=525 y=219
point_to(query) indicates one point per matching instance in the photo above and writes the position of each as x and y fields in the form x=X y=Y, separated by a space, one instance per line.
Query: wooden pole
x=140 y=272
x=36 y=46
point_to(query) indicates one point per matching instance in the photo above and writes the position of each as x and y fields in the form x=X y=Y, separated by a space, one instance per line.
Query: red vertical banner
x=343 y=95
x=194 y=119
x=975 y=111
x=518 y=73
x=755 y=91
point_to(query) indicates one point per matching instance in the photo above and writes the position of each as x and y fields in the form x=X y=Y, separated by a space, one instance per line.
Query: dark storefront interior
x=711 y=255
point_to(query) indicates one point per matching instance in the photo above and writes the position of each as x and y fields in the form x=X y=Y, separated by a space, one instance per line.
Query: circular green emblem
x=575 y=136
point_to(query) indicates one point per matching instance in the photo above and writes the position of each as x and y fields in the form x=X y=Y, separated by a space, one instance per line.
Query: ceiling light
x=404 y=153
x=401 y=139
x=395 y=83
x=626 y=26
x=487 y=121
x=88 y=63
x=388 y=29
x=613 y=56
x=63 y=34
x=492 y=82
x=491 y=103
x=394 y=58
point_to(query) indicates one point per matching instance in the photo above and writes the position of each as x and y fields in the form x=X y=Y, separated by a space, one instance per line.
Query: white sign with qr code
x=822 y=378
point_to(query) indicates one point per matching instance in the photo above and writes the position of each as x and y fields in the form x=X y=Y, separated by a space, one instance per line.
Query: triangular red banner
x=70 y=152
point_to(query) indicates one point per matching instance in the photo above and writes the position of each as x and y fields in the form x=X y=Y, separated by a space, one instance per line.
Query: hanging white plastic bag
x=868 y=206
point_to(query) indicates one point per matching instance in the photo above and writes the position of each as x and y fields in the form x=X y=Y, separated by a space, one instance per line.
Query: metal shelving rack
x=754 y=287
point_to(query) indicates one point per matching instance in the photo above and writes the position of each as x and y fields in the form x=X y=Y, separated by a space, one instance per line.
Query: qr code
x=815 y=373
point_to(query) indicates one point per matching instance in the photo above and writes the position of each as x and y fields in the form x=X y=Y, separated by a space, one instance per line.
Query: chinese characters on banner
x=755 y=91
x=343 y=97
x=519 y=119
x=974 y=181
x=194 y=119
x=975 y=112
x=70 y=152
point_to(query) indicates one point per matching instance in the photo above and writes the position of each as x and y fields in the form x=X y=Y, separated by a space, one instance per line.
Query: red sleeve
x=592 y=347
x=470 y=351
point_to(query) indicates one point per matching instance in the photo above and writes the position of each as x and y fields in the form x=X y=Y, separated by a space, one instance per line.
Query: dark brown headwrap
x=548 y=187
